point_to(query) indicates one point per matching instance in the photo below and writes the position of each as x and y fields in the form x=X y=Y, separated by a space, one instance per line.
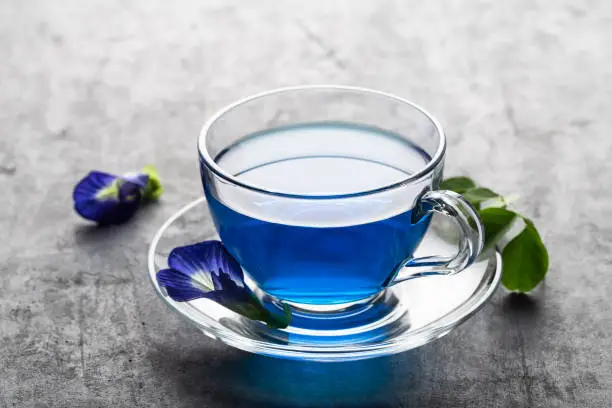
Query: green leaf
x=457 y=184
x=477 y=195
x=153 y=189
x=500 y=201
x=525 y=260
x=496 y=221
x=525 y=257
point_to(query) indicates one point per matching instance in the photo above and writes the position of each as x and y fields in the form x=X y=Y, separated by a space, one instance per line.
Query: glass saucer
x=403 y=317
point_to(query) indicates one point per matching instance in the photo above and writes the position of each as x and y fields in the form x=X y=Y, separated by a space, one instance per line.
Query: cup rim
x=418 y=175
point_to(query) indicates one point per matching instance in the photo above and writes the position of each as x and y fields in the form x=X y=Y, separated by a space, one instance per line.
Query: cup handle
x=471 y=243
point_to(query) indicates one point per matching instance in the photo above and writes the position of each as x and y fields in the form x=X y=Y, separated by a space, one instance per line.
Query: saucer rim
x=429 y=332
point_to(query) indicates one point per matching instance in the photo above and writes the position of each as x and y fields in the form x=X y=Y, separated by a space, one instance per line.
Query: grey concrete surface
x=524 y=88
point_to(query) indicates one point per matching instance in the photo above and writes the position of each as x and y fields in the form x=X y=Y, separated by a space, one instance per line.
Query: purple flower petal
x=129 y=192
x=92 y=184
x=105 y=199
x=182 y=288
x=179 y=286
x=223 y=281
x=140 y=179
x=106 y=212
x=207 y=270
x=204 y=269
x=209 y=263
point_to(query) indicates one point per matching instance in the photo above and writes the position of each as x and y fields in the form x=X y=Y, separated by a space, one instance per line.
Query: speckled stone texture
x=524 y=88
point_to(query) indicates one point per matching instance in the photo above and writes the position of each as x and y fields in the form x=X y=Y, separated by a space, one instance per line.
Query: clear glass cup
x=322 y=193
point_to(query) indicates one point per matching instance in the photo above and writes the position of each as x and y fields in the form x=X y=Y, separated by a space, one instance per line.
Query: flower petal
x=140 y=179
x=179 y=286
x=105 y=199
x=129 y=191
x=207 y=270
x=92 y=184
x=106 y=212
x=203 y=260
x=223 y=281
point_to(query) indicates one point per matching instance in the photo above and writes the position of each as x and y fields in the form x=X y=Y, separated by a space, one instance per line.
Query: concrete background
x=524 y=88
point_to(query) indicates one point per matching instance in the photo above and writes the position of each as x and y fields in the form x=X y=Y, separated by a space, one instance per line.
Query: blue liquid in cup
x=317 y=262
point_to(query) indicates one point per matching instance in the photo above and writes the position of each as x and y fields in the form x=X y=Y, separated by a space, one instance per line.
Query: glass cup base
x=353 y=317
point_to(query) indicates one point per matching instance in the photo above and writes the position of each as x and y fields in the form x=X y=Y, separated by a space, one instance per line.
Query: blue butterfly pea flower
x=109 y=199
x=207 y=270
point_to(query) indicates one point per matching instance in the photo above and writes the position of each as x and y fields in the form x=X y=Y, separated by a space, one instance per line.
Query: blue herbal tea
x=314 y=251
